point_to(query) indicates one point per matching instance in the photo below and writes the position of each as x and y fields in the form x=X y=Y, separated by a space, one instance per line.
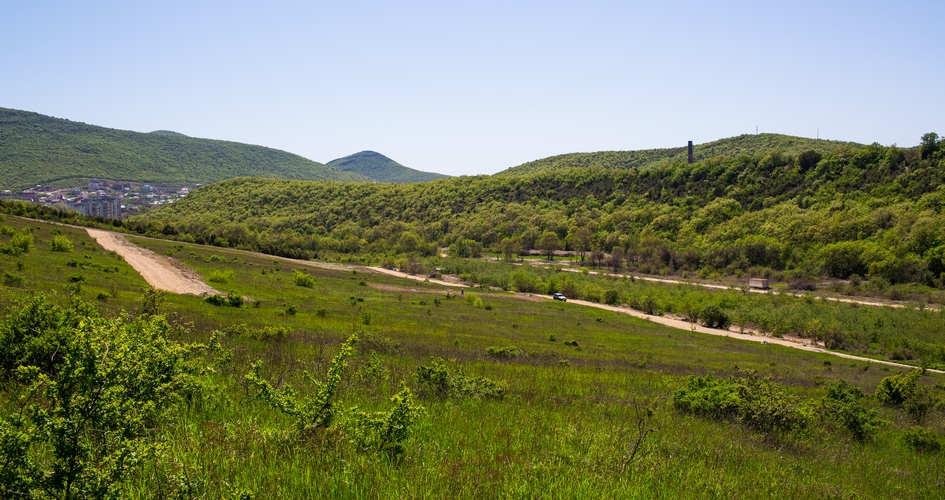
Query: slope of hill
x=39 y=149
x=733 y=147
x=381 y=168
x=875 y=212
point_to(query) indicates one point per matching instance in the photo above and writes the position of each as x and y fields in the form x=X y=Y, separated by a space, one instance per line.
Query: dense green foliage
x=38 y=149
x=873 y=212
x=88 y=397
x=381 y=168
x=733 y=147
x=753 y=401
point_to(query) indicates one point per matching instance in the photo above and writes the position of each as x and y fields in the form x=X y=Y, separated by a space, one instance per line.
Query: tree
x=509 y=246
x=930 y=144
x=581 y=239
x=808 y=160
x=549 y=243
x=616 y=259
x=597 y=257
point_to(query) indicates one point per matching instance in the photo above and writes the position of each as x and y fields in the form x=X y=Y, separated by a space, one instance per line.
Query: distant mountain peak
x=381 y=168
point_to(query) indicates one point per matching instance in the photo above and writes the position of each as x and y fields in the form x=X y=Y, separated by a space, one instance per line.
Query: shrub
x=10 y=279
x=20 y=243
x=503 y=352
x=60 y=243
x=386 y=431
x=270 y=333
x=921 y=439
x=474 y=299
x=215 y=299
x=218 y=276
x=316 y=412
x=234 y=299
x=842 y=404
x=93 y=408
x=712 y=316
x=438 y=381
x=373 y=342
x=904 y=391
x=303 y=279
x=612 y=297
x=754 y=402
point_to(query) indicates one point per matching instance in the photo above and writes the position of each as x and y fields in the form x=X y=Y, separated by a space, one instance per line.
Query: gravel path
x=161 y=272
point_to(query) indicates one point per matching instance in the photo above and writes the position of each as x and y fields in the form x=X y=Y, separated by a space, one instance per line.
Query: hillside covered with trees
x=381 y=168
x=39 y=149
x=732 y=147
x=870 y=212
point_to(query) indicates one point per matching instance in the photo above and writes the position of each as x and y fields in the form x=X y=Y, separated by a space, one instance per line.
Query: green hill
x=38 y=149
x=732 y=147
x=381 y=168
x=874 y=212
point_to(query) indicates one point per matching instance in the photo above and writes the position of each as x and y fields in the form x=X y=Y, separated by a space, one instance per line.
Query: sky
x=467 y=88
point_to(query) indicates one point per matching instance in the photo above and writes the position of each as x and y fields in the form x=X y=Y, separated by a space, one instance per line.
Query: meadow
x=540 y=399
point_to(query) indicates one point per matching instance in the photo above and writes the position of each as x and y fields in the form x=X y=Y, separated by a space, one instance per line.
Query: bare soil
x=160 y=271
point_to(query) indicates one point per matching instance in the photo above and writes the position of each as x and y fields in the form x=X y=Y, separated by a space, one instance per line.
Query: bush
x=438 y=381
x=754 y=402
x=302 y=279
x=10 y=279
x=712 y=316
x=922 y=440
x=503 y=352
x=895 y=389
x=95 y=406
x=60 y=243
x=20 y=243
x=315 y=413
x=474 y=300
x=904 y=391
x=843 y=405
x=234 y=299
x=215 y=299
x=612 y=297
x=218 y=276
x=386 y=431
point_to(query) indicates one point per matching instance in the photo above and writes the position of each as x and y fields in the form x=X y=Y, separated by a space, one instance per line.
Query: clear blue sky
x=477 y=87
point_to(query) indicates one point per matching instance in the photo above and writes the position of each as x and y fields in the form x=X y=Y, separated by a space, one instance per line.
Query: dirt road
x=168 y=274
x=685 y=325
x=159 y=271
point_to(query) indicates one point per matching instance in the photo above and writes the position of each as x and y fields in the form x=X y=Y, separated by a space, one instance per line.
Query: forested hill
x=871 y=211
x=733 y=147
x=381 y=168
x=39 y=149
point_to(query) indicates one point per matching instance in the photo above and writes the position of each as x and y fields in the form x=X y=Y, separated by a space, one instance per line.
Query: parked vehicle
x=559 y=296
x=758 y=283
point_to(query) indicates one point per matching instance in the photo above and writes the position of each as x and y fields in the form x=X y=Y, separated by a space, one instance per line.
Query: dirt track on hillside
x=161 y=272
x=169 y=274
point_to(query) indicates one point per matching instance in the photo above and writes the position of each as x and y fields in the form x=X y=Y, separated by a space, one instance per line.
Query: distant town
x=100 y=198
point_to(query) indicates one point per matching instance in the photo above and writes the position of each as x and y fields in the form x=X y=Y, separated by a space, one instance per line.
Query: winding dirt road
x=159 y=271
x=679 y=324
x=168 y=274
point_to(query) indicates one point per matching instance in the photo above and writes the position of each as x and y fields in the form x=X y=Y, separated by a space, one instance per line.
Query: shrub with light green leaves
x=60 y=243
x=84 y=418
x=753 y=401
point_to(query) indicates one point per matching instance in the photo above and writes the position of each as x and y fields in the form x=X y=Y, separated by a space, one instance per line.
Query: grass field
x=583 y=386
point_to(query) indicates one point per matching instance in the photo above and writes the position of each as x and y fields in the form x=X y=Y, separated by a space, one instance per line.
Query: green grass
x=562 y=430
